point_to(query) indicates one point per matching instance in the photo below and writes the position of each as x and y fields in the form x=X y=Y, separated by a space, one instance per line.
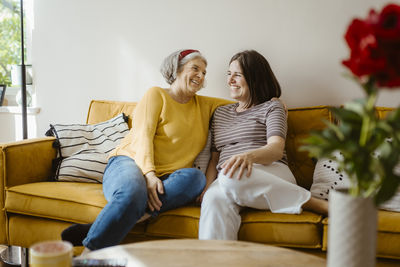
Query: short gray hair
x=172 y=65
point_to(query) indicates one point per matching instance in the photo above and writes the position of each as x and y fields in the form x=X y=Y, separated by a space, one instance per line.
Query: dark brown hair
x=262 y=82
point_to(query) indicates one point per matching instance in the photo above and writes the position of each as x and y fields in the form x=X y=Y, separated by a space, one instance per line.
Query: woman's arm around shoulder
x=212 y=103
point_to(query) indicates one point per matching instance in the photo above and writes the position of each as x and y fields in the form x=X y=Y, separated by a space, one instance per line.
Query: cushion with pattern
x=327 y=177
x=83 y=148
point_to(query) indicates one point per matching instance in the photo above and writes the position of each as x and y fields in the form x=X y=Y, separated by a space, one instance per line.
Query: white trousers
x=272 y=187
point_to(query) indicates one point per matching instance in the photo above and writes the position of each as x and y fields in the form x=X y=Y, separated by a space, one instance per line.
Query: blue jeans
x=124 y=188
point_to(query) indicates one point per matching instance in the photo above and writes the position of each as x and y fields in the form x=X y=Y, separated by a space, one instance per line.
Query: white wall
x=112 y=49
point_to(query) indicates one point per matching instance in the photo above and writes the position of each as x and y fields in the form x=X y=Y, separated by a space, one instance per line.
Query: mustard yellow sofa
x=35 y=208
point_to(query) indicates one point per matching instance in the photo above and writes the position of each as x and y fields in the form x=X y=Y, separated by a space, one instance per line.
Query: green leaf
x=356 y=106
x=358 y=134
x=345 y=115
x=10 y=41
x=388 y=188
x=336 y=130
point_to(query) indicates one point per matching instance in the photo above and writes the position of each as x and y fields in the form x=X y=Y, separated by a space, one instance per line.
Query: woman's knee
x=214 y=198
x=196 y=176
x=192 y=179
x=131 y=199
x=218 y=208
x=231 y=186
x=124 y=181
x=132 y=191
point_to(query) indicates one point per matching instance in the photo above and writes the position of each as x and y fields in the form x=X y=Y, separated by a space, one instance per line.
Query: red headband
x=184 y=53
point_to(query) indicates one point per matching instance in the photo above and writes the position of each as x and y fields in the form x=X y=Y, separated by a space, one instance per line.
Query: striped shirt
x=237 y=132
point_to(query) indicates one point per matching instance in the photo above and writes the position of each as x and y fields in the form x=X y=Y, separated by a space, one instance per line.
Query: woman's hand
x=211 y=174
x=199 y=199
x=154 y=187
x=242 y=162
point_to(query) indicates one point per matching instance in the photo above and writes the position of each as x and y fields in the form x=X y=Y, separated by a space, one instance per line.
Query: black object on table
x=99 y=262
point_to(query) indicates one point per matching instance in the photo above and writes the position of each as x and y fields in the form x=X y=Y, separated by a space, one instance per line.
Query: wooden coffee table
x=193 y=252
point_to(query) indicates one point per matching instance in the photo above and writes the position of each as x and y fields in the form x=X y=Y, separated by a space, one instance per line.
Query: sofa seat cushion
x=27 y=230
x=178 y=223
x=66 y=201
x=302 y=230
x=388 y=245
x=290 y=230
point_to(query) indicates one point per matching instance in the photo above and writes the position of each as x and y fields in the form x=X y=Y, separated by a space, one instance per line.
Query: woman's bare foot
x=144 y=218
x=317 y=205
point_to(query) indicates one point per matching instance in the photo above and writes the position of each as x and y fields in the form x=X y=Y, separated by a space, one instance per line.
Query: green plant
x=369 y=146
x=10 y=41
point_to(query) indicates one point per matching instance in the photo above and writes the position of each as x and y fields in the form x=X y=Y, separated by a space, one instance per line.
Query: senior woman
x=248 y=137
x=151 y=170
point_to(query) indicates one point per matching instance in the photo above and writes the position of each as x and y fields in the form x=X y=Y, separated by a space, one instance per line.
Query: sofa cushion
x=66 y=201
x=327 y=177
x=289 y=230
x=300 y=122
x=27 y=230
x=178 y=223
x=83 y=148
x=388 y=234
x=102 y=110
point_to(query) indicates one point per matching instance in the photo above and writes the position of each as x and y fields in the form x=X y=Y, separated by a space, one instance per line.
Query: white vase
x=351 y=231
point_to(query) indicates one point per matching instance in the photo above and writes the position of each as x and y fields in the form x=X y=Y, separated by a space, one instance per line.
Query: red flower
x=388 y=25
x=375 y=46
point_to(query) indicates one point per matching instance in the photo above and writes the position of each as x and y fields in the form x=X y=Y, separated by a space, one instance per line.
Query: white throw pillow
x=83 y=149
x=327 y=177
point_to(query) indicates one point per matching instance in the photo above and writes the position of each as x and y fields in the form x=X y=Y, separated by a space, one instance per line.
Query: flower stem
x=368 y=117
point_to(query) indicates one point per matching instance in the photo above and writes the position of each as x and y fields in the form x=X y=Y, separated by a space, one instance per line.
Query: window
x=10 y=42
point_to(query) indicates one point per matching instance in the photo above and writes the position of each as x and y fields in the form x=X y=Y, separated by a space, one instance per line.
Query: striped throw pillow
x=83 y=148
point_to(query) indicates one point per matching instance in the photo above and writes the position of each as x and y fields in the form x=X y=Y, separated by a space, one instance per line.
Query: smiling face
x=239 y=89
x=191 y=77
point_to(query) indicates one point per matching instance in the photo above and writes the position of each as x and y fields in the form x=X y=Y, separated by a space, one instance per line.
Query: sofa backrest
x=300 y=122
x=102 y=110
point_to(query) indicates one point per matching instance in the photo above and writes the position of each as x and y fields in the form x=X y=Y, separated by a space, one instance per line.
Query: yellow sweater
x=167 y=135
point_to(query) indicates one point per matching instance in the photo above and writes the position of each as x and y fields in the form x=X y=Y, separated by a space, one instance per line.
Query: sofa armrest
x=22 y=162
x=26 y=161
